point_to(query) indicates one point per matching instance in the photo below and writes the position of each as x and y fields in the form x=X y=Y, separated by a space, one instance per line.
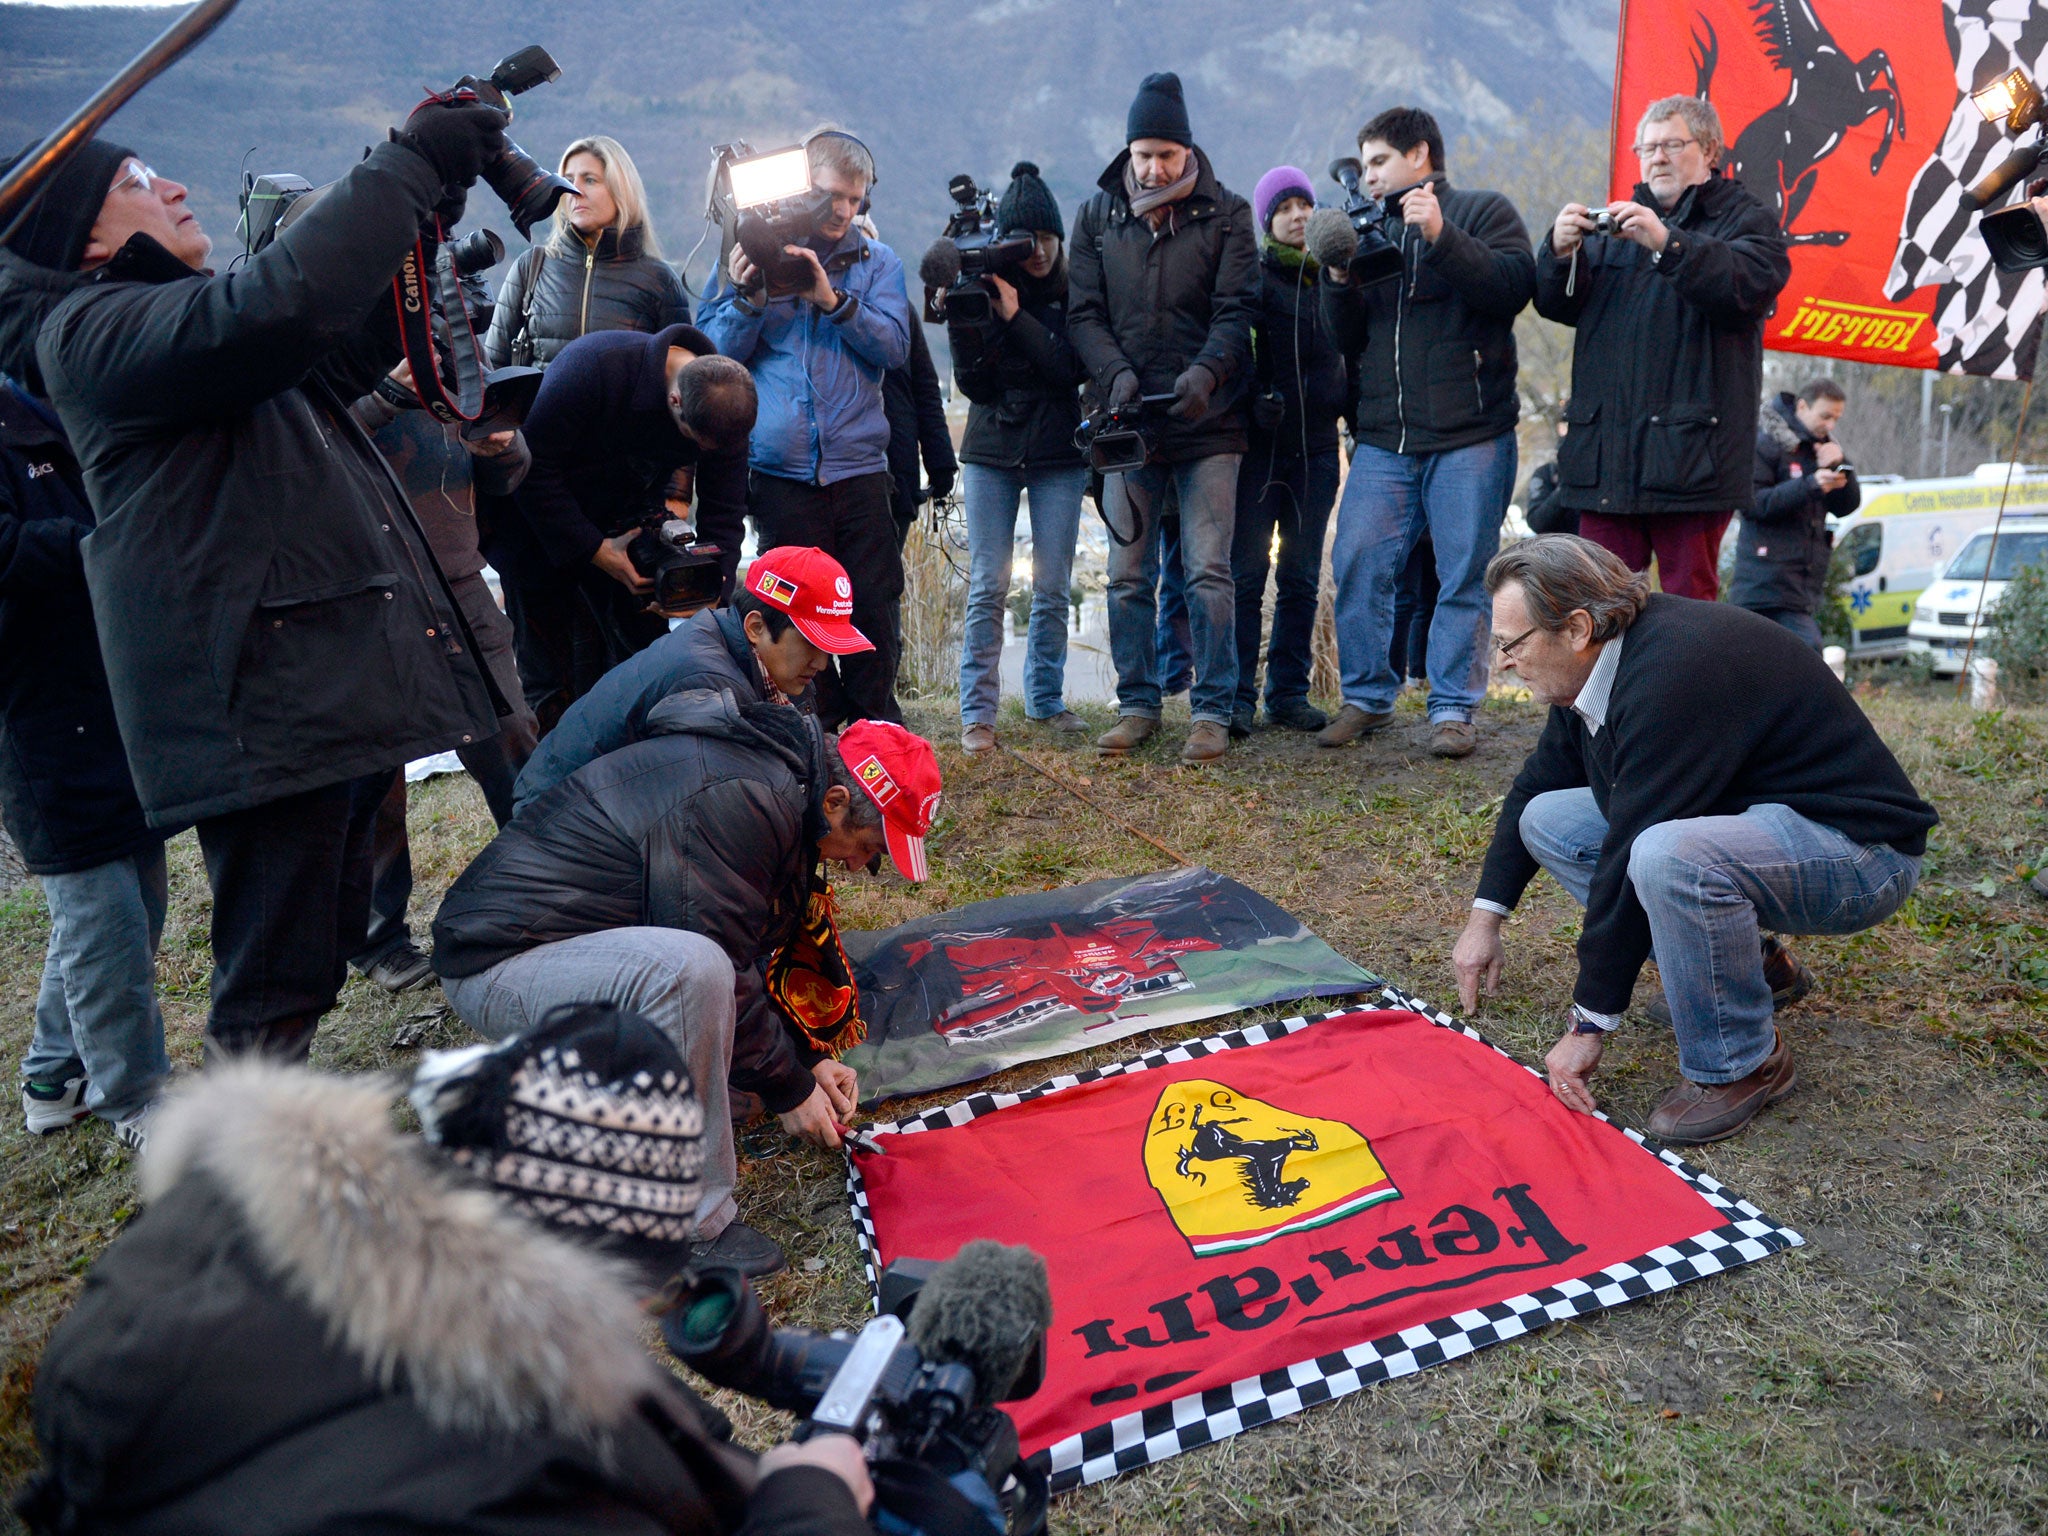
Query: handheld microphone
x=940 y=267
x=987 y=1308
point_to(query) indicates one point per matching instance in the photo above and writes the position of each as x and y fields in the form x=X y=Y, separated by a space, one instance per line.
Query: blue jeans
x=1710 y=885
x=1176 y=637
x=991 y=535
x=1804 y=625
x=1459 y=497
x=1414 y=608
x=1293 y=496
x=1208 y=513
x=96 y=1013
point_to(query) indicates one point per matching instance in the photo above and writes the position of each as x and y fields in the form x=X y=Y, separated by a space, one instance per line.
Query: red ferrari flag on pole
x=1244 y=1226
x=1852 y=121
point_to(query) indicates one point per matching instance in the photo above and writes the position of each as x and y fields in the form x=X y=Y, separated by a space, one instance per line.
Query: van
x=1956 y=606
x=1906 y=530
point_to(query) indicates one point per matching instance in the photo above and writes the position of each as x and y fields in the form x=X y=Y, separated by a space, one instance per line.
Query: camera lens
x=528 y=190
x=478 y=251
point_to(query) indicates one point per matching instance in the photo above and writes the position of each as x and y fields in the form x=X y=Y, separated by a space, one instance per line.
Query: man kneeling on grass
x=682 y=878
x=1702 y=778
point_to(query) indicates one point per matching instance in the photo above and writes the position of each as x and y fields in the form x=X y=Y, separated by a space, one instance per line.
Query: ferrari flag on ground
x=1247 y=1225
x=1851 y=120
x=953 y=998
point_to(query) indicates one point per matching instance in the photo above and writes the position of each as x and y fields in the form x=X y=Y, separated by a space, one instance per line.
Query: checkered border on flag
x=1201 y=1418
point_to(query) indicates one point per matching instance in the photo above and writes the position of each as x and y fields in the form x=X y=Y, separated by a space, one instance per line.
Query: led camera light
x=766 y=178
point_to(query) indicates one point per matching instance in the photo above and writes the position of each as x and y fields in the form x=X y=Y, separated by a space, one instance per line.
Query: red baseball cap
x=814 y=590
x=900 y=774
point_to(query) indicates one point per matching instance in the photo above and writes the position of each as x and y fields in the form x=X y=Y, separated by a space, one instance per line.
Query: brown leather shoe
x=1066 y=723
x=1206 y=742
x=1788 y=976
x=978 y=739
x=1352 y=723
x=1129 y=731
x=1453 y=738
x=1694 y=1113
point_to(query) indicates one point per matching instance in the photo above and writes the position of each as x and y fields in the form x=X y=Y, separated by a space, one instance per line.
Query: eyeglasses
x=1669 y=148
x=142 y=176
x=1505 y=649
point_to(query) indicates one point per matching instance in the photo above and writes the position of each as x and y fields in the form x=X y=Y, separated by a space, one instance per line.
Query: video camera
x=1378 y=259
x=1118 y=442
x=763 y=202
x=2016 y=236
x=917 y=1386
x=687 y=576
x=956 y=267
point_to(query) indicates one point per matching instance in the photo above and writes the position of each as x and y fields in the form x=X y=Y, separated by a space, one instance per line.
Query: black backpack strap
x=921 y=1498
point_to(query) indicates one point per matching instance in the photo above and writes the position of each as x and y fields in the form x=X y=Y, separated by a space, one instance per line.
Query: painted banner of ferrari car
x=953 y=998
x=1852 y=121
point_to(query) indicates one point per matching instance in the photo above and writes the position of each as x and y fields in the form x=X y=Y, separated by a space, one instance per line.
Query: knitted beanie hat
x=1274 y=188
x=588 y=1123
x=1028 y=203
x=1159 y=112
x=61 y=216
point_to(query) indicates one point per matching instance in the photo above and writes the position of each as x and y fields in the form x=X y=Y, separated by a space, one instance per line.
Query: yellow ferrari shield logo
x=1236 y=1172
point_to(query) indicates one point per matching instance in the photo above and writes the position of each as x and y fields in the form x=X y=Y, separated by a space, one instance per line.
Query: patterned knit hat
x=588 y=1123
x=1028 y=203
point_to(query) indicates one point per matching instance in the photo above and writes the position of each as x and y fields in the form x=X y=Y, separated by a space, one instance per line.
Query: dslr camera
x=1378 y=259
x=528 y=190
x=917 y=1386
x=970 y=250
x=763 y=202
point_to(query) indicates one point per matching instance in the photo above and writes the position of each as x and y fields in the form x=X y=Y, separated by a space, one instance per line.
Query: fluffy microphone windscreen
x=984 y=1309
x=1331 y=239
x=941 y=264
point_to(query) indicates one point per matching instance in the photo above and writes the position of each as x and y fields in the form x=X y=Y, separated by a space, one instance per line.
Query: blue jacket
x=820 y=376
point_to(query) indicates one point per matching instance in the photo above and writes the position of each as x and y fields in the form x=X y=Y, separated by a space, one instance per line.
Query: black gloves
x=457 y=138
x=1191 y=392
x=940 y=482
x=1124 y=391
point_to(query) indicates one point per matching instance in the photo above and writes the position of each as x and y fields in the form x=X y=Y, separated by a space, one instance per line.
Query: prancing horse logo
x=1264 y=1161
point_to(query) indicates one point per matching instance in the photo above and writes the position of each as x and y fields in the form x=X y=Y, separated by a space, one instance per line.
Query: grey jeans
x=681 y=981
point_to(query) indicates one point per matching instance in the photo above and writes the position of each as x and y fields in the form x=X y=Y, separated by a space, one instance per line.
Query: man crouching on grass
x=1702 y=778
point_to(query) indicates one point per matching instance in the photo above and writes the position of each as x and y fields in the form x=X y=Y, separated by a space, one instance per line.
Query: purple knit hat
x=1282 y=182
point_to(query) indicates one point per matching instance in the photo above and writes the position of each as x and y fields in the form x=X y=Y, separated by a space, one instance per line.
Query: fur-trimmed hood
x=491 y=1323
x=1780 y=419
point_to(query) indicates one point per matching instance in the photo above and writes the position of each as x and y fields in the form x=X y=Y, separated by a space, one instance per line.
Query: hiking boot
x=1128 y=732
x=1299 y=715
x=1694 y=1113
x=1240 y=725
x=1352 y=723
x=400 y=970
x=1066 y=722
x=741 y=1247
x=1206 y=742
x=1789 y=978
x=132 y=1129
x=47 y=1107
x=978 y=740
x=1452 y=738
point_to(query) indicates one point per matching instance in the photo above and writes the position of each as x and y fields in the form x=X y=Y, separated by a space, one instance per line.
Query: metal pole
x=1946 y=408
x=2012 y=468
x=22 y=183
x=1926 y=418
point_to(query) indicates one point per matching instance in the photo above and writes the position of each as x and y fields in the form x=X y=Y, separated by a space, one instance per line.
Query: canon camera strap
x=424 y=285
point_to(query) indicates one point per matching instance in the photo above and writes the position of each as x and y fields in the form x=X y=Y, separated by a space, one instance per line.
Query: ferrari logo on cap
x=876 y=778
x=1236 y=1172
x=776 y=589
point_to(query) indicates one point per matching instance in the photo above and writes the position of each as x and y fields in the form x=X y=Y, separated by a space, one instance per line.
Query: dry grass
x=1887 y=1377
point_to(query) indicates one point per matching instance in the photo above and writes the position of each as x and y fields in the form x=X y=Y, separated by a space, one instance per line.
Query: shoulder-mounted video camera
x=1378 y=259
x=970 y=250
x=1118 y=442
x=763 y=202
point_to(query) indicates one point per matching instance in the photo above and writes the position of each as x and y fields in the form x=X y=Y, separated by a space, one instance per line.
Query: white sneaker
x=45 y=1107
x=132 y=1129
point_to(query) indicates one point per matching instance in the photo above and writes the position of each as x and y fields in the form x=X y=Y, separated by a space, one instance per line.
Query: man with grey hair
x=820 y=452
x=1702 y=778
x=1669 y=290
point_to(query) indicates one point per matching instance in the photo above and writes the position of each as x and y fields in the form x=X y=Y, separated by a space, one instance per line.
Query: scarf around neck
x=1292 y=257
x=1146 y=201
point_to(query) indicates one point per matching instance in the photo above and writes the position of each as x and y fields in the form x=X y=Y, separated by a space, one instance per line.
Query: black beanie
x=1159 y=112
x=61 y=216
x=1028 y=203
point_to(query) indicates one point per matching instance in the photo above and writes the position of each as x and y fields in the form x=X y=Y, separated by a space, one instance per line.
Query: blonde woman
x=599 y=269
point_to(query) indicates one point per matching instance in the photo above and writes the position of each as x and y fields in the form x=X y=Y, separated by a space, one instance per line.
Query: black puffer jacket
x=1022 y=380
x=1295 y=356
x=65 y=792
x=271 y=616
x=551 y=298
x=1782 y=550
x=1436 y=350
x=312 y=1329
x=1158 y=303
x=917 y=426
x=1668 y=363
x=711 y=825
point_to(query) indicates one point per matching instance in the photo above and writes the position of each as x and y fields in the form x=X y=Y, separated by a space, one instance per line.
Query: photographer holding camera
x=1802 y=478
x=1435 y=420
x=364 y=1330
x=278 y=639
x=820 y=454
x=1021 y=377
x=1165 y=282
x=1669 y=297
